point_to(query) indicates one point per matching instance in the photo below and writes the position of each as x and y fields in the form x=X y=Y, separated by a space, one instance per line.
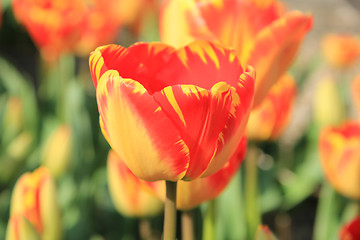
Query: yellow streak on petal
x=158 y=109
x=168 y=92
x=192 y=89
x=96 y=63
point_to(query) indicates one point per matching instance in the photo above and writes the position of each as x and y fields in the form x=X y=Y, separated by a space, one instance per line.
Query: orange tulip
x=54 y=25
x=131 y=195
x=34 y=208
x=351 y=231
x=264 y=34
x=341 y=50
x=355 y=90
x=172 y=114
x=340 y=157
x=274 y=111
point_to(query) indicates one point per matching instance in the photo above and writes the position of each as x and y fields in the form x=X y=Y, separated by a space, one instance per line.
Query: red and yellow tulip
x=341 y=50
x=351 y=231
x=268 y=120
x=169 y=113
x=34 y=208
x=340 y=157
x=131 y=196
x=265 y=35
x=54 y=25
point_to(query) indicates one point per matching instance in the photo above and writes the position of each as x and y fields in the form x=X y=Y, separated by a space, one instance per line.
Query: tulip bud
x=34 y=203
x=57 y=150
x=351 y=231
x=131 y=195
x=341 y=50
x=268 y=120
x=340 y=157
x=328 y=106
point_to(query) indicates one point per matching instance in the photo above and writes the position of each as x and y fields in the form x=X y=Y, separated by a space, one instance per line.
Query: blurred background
x=48 y=113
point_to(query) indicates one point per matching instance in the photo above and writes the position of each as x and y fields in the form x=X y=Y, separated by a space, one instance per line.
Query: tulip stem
x=209 y=231
x=170 y=211
x=251 y=191
x=187 y=224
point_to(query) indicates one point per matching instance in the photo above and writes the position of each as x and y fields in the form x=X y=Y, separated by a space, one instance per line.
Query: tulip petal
x=234 y=129
x=203 y=64
x=181 y=23
x=276 y=48
x=134 y=125
x=200 y=115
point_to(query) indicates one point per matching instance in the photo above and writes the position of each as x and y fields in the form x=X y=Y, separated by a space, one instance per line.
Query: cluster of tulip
x=177 y=113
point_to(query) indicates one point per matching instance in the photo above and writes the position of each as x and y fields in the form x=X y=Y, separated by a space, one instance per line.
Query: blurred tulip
x=329 y=109
x=54 y=25
x=34 y=207
x=172 y=114
x=57 y=149
x=100 y=26
x=264 y=34
x=274 y=111
x=341 y=50
x=351 y=231
x=340 y=157
x=355 y=90
x=131 y=195
x=263 y=233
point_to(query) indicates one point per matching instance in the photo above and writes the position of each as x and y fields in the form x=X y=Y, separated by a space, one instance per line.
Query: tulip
x=329 y=108
x=57 y=150
x=34 y=207
x=54 y=25
x=340 y=50
x=340 y=157
x=172 y=114
x=131 y=196
x=265 y=35
x=355 y=90
x=351 y=231
x=273 y=113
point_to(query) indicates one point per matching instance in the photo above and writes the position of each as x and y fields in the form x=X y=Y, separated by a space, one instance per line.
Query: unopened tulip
x=34 y=208
x=268 y=120
x=355 y=90
x=131 y=196
x=54 y=25
x=57 y=150
x=340 y=157
x=265 y=35
x=172 y=114
x=329 y=108
x=341 y=50
x=351 y=231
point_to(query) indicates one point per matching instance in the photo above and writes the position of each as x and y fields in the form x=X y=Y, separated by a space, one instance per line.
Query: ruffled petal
x=139 y=131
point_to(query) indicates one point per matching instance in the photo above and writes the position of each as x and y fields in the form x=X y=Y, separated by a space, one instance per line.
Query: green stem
x=209 y=221
x=145 y=228
x=187 y=224
x=325 y=221
x=170 y=211
x=251 y=191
